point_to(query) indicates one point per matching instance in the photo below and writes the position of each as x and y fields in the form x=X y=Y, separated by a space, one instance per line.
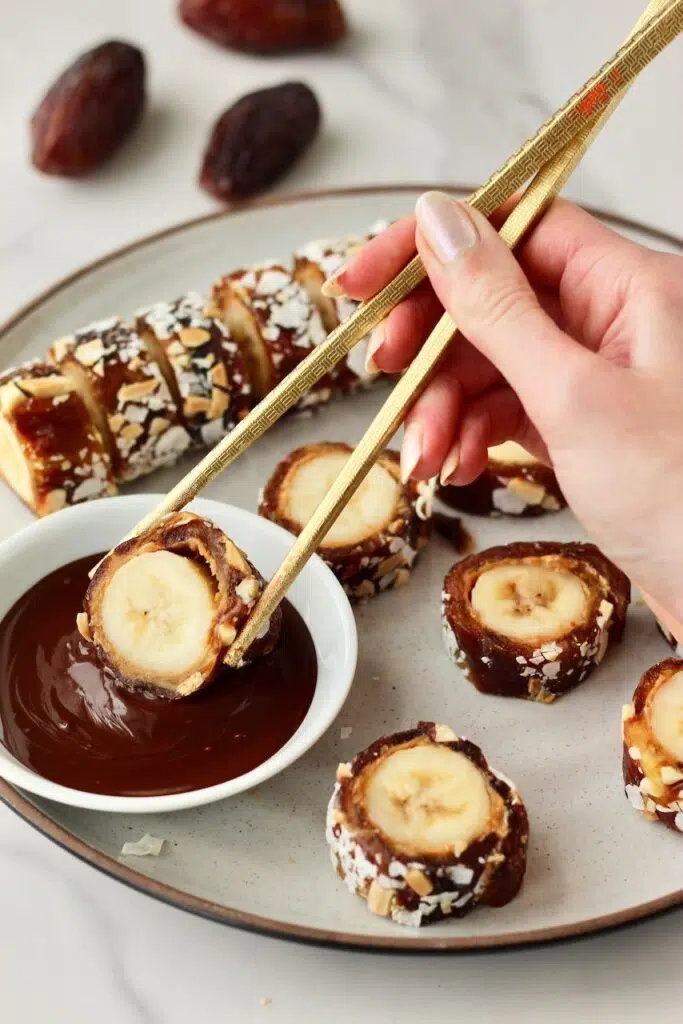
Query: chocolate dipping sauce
x=63 y=715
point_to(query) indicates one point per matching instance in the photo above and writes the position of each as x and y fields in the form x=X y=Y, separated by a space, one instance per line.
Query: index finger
x=379 y=261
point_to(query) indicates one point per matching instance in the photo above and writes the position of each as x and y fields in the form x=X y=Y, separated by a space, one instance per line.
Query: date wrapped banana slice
x=514 y=483
x=273 y=320
x=163 y=609
x=202 y=365
x=533 y=619
x=126 y=394
x=313 y=265
x=652 y=731
x=421 y=827
x=373 y=544
x=51 y=453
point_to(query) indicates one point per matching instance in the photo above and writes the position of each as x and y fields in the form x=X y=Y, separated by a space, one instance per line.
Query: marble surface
x=427 y=90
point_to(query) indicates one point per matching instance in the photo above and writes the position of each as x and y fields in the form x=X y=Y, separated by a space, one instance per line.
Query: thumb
x=481 y=285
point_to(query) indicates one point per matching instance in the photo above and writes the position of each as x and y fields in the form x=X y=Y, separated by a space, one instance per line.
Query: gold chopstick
x=581 y=109
x=531 y=206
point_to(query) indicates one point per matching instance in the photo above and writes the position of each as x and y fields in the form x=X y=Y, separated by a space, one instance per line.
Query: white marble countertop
x=428 y=90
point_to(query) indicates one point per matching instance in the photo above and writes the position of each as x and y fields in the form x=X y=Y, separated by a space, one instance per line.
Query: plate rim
x=16 y=801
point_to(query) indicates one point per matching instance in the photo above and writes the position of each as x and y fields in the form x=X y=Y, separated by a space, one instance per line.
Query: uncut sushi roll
x=275 y=324
x=202 y=365
x=126 y=394
x=51 y=453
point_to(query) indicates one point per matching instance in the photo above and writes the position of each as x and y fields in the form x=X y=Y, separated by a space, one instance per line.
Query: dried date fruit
x=258 y=139
x=266 y=26
x=89 y=110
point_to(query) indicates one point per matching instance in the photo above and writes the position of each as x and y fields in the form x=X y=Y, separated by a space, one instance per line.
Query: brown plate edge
x=24 y=808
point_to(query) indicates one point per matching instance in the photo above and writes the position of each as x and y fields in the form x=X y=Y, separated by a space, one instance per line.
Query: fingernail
x=331 y=287
x=375 y=342
x=450 y=464
x=411 y=450
x=446 y=225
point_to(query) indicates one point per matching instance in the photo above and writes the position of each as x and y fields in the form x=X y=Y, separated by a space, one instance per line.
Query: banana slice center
x=13 y=463
x=666 y=715
x=428 y=799
x=157 y=612
x=371 y=508
x=526 y=602
x=512 y=453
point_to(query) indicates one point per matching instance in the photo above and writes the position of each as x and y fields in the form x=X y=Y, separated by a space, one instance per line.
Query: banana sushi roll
x=273 y=320
x=514 y=483
x=373 y=544
x=422 y=828
x=533 y=619
x=163 y=609
x=652 y=731
x=127 y=395
x=202 y=365
x=51 y=453
x=313 y=265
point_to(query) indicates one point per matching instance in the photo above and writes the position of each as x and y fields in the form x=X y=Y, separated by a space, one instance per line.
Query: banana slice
x=126 y=395
x=422 y=828
x=273 y=320
x=652 y=733
x=163 y=609
x=532 y=619
x=313 y=265
x=51 y=453
x=202 y=365
x=514 y=483
x=374 y=542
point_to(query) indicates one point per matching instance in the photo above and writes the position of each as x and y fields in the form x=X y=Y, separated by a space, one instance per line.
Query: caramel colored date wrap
x=422 y=828
x=162 y=609
x=533 y=619
x=375 y=541
x=514 y=483
x=652 y=733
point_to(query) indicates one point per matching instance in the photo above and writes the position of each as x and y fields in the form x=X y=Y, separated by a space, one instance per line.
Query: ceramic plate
x=259 y=860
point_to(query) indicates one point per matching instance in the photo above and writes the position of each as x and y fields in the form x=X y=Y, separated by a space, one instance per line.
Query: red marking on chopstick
x=597 y=97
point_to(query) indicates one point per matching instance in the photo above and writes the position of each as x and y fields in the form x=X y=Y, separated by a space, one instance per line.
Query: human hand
x=574 y=350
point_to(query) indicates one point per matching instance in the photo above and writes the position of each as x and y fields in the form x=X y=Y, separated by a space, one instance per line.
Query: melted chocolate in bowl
x=63 y=715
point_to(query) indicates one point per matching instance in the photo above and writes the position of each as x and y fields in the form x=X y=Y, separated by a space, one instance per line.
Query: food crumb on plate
x=345 y=732
x=148 y=846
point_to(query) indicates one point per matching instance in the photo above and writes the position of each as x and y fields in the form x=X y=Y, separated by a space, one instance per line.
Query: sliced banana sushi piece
x=126 y=394
x=273 y=320
x=374 y=543
x=533 y=619
x=314 y=263
x=51 y=453
x=652 y=732
x=163 y=609
x=422 y=828
x=202 y=365
x=514 y=483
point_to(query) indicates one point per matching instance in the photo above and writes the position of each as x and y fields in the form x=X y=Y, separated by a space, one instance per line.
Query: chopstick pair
x=551 y=154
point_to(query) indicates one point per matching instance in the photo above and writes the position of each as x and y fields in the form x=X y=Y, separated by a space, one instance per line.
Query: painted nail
x=331 y=287
x=450 y=464
x=375 y=341
x=446 y=225
x=411 y=450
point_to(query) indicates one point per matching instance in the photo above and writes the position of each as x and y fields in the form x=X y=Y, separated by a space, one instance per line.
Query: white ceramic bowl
x=44 y=546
